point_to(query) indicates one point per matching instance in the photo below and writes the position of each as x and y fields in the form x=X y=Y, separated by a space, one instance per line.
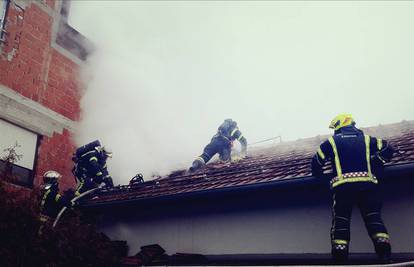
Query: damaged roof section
x=288 y=161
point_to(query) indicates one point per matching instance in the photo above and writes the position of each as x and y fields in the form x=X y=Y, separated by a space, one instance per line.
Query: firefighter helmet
x=227 y=126
x=51 y=177
x=107 y=152
x=341 y=120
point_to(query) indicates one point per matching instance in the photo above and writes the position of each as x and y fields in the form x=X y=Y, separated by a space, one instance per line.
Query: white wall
x=294 y=223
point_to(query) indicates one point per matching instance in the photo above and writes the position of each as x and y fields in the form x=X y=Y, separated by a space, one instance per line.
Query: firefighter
x=51 y=201
x=221 y=143
x=90 y=167
x=356 y=158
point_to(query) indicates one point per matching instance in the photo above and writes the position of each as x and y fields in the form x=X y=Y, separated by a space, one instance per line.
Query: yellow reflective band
x=381 y=235
x=44 y=197
x=368 y=155
x=87 y=153
x=77 y=193
x=321 y=154
x=379 y=143
x=240 y=137
x=99 y=174
x=234 y=130
x=200 y=159
x=43 y=218
x=93 y=158
x=337 y=162
x=353 y=180
x=340 y=242
x=57 y=197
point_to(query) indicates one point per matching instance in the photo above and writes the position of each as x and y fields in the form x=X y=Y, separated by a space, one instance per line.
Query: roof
x=287 y=161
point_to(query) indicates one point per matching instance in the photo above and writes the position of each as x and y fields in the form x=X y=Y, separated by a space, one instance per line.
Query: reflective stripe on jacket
x=351 y=153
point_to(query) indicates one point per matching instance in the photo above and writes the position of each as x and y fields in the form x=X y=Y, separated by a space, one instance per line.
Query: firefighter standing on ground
x=355 y=157
x=90 y=167
x=221 y=143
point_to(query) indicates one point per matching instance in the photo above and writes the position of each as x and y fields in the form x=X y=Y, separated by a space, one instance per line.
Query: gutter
x=396 y=171
x=288 y=259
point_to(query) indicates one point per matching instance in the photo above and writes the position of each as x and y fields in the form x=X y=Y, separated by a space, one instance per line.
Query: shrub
x=74 y=242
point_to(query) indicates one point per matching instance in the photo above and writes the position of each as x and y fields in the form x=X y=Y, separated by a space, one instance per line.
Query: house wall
x=296 y=221
x=40 y=88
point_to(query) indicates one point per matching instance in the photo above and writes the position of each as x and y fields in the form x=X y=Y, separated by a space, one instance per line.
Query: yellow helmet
x=341 y=120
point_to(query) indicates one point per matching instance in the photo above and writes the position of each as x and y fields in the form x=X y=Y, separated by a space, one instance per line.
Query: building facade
x=293 y=220
x=40 y=88
x=267 y=203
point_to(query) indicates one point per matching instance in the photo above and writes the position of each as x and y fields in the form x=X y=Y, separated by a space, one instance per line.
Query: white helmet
x=51 y=176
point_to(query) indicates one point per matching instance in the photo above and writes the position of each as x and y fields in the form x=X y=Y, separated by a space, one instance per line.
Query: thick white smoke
x=166 y=74
x=149 y=130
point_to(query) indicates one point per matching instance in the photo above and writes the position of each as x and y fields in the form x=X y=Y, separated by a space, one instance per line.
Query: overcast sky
x=166 y=73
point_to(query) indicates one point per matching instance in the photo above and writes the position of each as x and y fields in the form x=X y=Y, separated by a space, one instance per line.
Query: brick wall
x=30 y=66
x=56 y=153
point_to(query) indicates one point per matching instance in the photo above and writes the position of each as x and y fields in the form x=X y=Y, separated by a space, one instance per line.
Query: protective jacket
x=90 y=167
x=51 y=201
x=355 y=156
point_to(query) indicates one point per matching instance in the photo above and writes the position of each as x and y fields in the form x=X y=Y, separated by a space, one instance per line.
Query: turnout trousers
x=217 y=145
x=367 y=197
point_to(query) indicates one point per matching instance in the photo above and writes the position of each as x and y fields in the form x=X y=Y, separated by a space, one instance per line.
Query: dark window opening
x=4 y=5
x=19 y=175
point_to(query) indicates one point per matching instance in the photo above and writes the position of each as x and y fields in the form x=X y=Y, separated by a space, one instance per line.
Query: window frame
x=31 y=173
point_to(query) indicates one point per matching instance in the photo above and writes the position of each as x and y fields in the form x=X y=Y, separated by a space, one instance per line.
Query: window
x=22 y=169
x=3 y=12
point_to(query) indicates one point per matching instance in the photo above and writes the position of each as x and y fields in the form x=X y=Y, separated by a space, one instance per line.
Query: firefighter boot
x=383 y=248
x=197 y=164
x=339 y=250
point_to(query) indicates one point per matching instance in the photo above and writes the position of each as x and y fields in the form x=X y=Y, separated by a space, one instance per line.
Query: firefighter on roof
x=90 y=167
x=221 y=143
x=355 y=158
x=51 y=201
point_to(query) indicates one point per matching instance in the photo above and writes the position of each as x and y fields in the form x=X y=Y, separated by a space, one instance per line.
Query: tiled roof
x=284 y=161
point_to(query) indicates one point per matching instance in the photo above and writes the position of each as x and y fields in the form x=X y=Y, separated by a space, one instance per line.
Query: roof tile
x=288 y=160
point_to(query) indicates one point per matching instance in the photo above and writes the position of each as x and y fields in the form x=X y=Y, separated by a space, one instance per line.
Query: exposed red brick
x=55 y=154
x=36 y=69
x=31 y=67
x=51 y=3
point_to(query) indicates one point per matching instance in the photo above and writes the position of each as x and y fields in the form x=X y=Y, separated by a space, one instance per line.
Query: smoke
x=147 y=129
x=166 y=74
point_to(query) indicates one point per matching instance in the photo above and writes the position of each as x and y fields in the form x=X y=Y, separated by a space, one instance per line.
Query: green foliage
x=10 y=154
x=75 y=242
x=9 y=157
